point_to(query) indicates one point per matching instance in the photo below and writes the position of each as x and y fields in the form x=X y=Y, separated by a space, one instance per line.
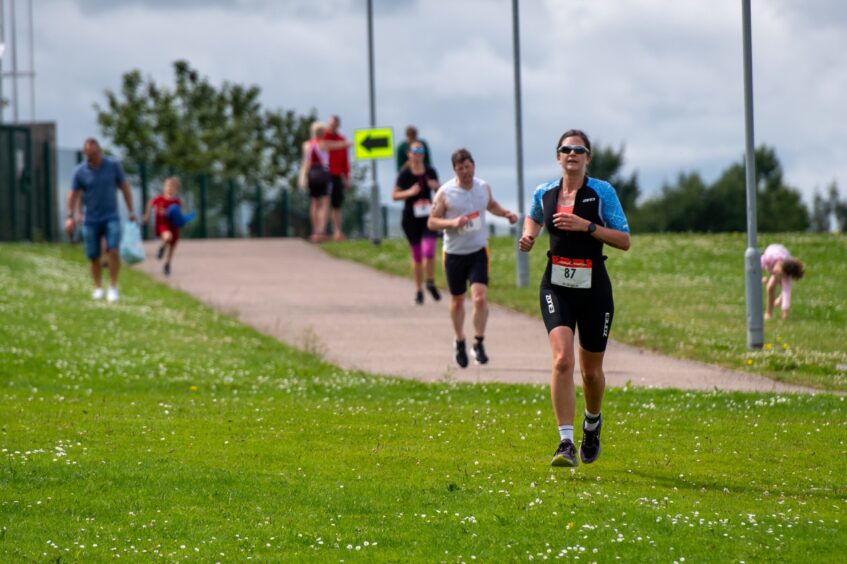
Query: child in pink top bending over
x=782 y=269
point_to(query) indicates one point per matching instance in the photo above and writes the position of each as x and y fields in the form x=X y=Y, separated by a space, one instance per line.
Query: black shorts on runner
x=336 y=196
x=590 y=311
x=461 y=269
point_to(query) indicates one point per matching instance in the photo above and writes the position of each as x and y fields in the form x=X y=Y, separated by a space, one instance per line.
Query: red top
x=339 y=165
x=160 y=205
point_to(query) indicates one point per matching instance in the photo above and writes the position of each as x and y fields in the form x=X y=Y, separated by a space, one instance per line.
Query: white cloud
x=661 y=77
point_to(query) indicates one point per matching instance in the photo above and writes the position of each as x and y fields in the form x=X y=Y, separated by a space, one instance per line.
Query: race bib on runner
x=474 y=223
x=571 y=273
x=422 y=208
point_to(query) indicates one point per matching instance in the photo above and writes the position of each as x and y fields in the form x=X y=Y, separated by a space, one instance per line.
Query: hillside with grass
x=157 y=427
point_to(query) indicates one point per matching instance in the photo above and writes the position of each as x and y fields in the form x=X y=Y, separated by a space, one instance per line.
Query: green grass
x=158 y=427
x=684 y=295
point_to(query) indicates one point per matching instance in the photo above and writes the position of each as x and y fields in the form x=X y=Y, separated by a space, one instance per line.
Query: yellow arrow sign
x=376 y=143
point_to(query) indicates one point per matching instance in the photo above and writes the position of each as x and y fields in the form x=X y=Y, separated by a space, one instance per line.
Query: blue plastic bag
x=132 y=247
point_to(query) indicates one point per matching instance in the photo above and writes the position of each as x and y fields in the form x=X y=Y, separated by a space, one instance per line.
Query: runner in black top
x=580 y=214
x=415 y=186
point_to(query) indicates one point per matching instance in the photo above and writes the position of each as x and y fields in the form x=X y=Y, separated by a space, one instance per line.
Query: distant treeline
x=689 y=204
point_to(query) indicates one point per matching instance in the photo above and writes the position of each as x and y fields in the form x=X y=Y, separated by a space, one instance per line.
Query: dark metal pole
x=521 y=259
x=2 y=48
x=376 y=216
x=14 y=62
x=752 y=265
x=145 y=194
x=31 y=65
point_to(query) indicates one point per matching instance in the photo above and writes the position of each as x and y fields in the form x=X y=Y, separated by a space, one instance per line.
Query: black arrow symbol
x=370 y=143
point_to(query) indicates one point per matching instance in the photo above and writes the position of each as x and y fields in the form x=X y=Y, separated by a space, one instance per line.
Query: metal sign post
x=376 y=214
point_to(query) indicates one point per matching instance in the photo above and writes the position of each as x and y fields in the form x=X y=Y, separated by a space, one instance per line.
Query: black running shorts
x=590 y=311
x=461 y=269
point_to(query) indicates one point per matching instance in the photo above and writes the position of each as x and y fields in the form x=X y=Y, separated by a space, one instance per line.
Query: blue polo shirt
x=99 y=189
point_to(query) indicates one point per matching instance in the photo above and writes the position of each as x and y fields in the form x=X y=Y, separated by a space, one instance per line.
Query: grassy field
x=157 y=427
x=684 y=295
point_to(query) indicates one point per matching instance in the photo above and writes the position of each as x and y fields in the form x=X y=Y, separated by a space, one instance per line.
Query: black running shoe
x=589 y=450
x=433 y=291
x=461 y=354
x=419 y=298
x=565 y=455
x=160 y=253
x=479 y=353
x=167 y=269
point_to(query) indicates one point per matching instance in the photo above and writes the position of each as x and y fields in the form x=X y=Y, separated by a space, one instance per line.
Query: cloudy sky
x=662 y=78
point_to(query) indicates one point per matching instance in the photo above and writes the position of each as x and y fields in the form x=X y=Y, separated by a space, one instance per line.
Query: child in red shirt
x=166 y=230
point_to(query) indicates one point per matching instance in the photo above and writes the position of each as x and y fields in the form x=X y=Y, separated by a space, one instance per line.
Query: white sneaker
x=112 y=296
x=97 y=294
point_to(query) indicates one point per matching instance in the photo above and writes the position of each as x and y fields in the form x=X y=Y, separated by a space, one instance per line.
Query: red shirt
x=160 y=205
x=339 y=165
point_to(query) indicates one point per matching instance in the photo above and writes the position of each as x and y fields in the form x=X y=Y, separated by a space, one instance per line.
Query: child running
x=168 y=220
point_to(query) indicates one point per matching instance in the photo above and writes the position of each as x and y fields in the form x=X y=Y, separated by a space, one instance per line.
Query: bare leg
x=457 y=315
x=593 y=379
x=429 y=266
x=417 y=270
x=96 y=272
x=337 y=233
x=771 y=287
x=479 y=294
x=562 y=389
x=322 y=216
x=114 y=267
x=167 y=241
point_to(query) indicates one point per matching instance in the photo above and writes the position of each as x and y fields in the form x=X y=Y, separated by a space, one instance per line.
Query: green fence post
x=204 y=232
x=285 y=212
x=259 y=213
x=142 y=173
x=48 y=193
x=385 y=222
x=230 y=204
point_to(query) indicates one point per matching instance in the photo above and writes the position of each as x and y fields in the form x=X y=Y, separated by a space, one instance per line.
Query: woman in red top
x=166 y=231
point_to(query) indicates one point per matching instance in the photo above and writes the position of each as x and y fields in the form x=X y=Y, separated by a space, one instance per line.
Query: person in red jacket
x=166 y=230
x=339 y=168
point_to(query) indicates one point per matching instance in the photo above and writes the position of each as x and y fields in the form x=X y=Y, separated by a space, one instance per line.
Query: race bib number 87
x=571 y=273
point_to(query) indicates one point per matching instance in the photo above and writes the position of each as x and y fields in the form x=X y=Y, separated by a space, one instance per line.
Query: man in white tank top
x=459 y=209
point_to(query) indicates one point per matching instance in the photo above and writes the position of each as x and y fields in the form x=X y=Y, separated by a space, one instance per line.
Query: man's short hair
x=90 y=140
x=460 y=155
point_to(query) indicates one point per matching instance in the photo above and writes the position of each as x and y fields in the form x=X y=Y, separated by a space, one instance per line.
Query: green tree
x=606 y=164
x=690 y=205
x=820 y=214
x=677 y=209
x=838 y=207
x=195 y=127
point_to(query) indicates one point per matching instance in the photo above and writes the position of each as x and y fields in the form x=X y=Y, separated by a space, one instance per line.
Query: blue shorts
x=93 y=232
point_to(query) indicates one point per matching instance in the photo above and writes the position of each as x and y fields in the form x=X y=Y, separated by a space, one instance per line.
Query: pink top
x=773 y=254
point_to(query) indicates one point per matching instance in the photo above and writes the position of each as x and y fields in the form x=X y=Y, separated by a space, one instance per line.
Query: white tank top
x=471 y=202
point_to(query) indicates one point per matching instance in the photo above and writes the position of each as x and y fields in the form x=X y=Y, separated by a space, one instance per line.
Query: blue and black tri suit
x=589 y=309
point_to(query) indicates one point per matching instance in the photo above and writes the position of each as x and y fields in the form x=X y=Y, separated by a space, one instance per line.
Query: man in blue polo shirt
x=97 y=180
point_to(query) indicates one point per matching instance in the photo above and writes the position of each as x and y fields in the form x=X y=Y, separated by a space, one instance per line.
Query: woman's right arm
x=531 y=229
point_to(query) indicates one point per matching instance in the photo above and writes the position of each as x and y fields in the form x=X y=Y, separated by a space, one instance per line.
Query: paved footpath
x=359 y=318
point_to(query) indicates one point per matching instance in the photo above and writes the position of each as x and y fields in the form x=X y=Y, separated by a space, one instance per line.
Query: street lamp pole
x=521 y=259
x=752 y=264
